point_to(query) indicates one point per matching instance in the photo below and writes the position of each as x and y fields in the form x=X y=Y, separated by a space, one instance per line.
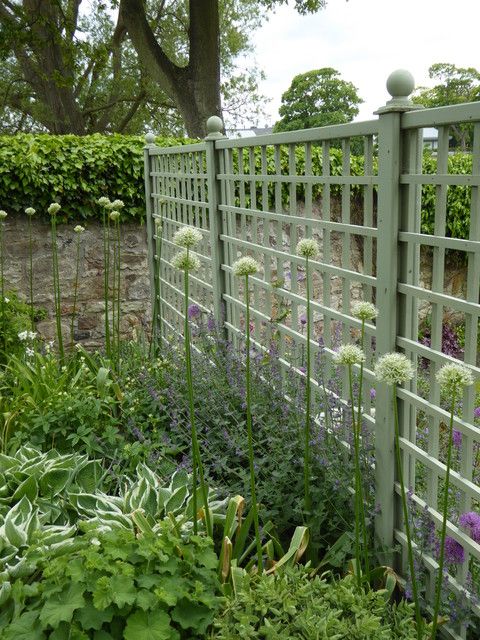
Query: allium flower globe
x=364 y=311
x=54 y=208
x=394 y=368
x=185 y=261
x=453 y=376
x=114 y=215
x=187 y=237
x=103 y=201
x=79 y=228
x=245 y=266
x=3 y=214
x=308 y=248
x=349 y=354
x=30 y=211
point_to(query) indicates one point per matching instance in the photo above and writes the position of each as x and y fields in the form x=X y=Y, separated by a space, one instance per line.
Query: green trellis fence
x=260 y=195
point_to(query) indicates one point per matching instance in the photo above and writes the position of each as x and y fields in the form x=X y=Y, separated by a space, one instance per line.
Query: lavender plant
x=244 y=268
x=452 y=378
x=394 y=369
x=188 y=238
x=307 y=248
x=53 y=209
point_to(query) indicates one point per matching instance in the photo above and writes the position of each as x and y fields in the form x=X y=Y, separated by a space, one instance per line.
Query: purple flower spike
x=457 y=438
x=373 y=394
x=454 y=553
x=471 y=520
x=211 y=323
x=194 y=311
x=476 y=412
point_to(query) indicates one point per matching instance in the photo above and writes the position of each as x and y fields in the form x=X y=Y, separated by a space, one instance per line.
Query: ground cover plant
x=204 y=467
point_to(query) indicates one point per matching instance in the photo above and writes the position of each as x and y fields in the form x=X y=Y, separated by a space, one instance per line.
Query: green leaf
x=191 y=615
x=60 y=607
x=91 y=618
x=144 y=625
x=124 y=591
x=26 y=627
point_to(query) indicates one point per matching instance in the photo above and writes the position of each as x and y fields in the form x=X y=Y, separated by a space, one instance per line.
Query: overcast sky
x=365 y=40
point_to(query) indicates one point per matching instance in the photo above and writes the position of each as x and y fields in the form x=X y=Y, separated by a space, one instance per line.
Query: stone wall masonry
x=89 y=322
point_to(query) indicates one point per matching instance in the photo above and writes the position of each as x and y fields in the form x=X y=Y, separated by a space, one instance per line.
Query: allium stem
x=358 y=490
x=444 y=520
x=196 y=458
x=30 y=273
x=106 y=279
x=306 y=453
x=75 y=291
x=357 y=433
x=119 y=264
x=411 y=563
x=2 y=283
x=56 y=288
x=249 y=430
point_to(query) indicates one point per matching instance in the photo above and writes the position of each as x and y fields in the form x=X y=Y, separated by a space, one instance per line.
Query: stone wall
x=89 y=325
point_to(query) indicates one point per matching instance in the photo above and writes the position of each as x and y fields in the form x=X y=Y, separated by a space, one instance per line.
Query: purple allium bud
x=471 y=520
x=194 y=311
x=454 y=553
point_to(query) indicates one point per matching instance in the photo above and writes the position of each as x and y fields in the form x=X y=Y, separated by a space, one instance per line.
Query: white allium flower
x=186 y=261
x=114 y=215
x=364 y=311
x=79 y=228
x=29 y=352
x=187 y=237
x=394 y=368
x=308 y=248
x=452 y=376
x=117 y=204
x=30 y=211
x=103 y=201
x=349 y=354
x=3 y=214
x=23 y=335
x=54 y=208
x=245 y=266
x=157 y=222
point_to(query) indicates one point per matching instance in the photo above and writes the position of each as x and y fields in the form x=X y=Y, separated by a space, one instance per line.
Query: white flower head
x=308 y=248
x=364 y=310
x=349 y=354
x=452 y=376
x=30 y=211
x=29 y=352
x=187 y=237
x=54 y=208
x=117 y=204
x=79 y=228
x=3 y=214
x=245 y=266
x=394 y=368
x=186 y=261
x=7 y=300
x=103 y=201
x=23 y=335
x=114 y=215
x=31 y=335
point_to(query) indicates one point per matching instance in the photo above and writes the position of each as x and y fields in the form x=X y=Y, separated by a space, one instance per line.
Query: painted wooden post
x=400 y=84
x=153 y=267
x=214 y=129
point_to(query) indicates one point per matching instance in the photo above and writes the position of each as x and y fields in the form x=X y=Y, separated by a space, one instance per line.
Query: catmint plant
x=3 y=215
x=244 y=268
x=394 y=369
x=53 y=209
x=452 y=378
x=30 y=211
x=350 y=355
x=78 y=232
x=308 y=249
x=188 y=238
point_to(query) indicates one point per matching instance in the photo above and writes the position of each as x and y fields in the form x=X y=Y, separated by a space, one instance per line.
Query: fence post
x=153 y=268
x=214 y=130
x=400 y=84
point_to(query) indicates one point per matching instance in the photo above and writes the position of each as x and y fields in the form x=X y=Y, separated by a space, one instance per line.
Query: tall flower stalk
x=156 y=339
x=30 y=211
x=188 y=238
x=78 y=232
x=451 y=378
x=244 y=268
x=394 y=369
x=115 y=218
x=364 y=311
x=105 y=203
x=3 y=215
x=307 y=248
x=53 y=209
x=350 y=355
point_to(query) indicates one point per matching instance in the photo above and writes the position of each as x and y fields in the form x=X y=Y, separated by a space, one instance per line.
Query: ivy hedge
x=76 y=171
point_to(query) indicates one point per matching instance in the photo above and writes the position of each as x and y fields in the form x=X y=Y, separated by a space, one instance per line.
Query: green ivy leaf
x=155 y=625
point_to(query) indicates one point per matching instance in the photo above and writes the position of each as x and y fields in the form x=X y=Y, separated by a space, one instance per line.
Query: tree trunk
x=195 y=89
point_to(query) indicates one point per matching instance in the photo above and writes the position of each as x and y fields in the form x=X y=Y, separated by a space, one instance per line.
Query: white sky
x=365 y=40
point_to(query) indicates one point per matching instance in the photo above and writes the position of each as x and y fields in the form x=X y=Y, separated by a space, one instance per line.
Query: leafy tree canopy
x=316 y=99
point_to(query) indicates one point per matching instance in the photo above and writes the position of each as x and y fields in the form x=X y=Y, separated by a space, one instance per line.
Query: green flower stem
x=75 y=291
x=249 y=431
x=357 y=433
x=30 y=274
x=306 y=454
x=196 y=458
x=2 y=284
x=358 y=496
x=56 y=288
x=119 y=264
x=405 y=518
x=106 y=279
x=444 y=520
x=156 y=340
